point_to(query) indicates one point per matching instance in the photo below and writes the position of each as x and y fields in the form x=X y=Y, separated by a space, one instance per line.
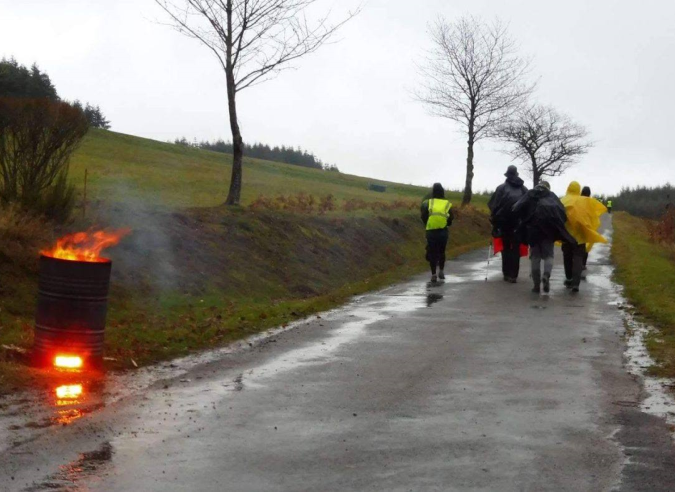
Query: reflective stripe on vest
x=439 y=211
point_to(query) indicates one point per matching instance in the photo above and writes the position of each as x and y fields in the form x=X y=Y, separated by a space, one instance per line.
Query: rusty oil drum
x=71 y=310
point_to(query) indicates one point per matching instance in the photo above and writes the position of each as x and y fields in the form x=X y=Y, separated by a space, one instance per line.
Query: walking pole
x=487 y=269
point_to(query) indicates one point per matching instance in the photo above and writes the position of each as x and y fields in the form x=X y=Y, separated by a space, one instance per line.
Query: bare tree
x=253 y=41
x=544 y=140
x=473 y=76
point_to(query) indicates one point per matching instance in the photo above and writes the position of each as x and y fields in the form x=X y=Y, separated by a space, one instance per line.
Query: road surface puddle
x=433 y=299
x=70 y=477
x=68 y=400
x=659 y=400
x=70 y=397
x=363 y=312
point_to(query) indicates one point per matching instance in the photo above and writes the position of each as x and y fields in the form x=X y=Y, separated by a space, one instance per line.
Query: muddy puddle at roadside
x=68 y=398
x=69 y=477
x=660 y=399
x=25 y=416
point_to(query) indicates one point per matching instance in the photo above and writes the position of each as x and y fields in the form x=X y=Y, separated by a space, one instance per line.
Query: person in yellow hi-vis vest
x=437 y=217
x=609 y=206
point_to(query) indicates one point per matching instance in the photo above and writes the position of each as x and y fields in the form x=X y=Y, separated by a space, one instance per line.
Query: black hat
x=511 y=171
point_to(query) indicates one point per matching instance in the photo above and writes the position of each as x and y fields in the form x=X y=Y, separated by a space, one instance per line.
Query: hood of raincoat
x=583 y=216
x=574 y=189
x=515 y=181
x=542 y=217
x=502 y=201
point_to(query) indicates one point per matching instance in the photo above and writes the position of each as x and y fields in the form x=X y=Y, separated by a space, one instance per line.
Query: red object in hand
x=524 y=250
x=498 y=247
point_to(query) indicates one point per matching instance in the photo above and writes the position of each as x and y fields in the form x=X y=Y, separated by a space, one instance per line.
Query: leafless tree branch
x=473 y=76
x=265 y=35
x=543 y=139
x=253 y=41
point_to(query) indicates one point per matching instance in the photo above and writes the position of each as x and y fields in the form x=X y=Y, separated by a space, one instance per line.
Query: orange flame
x=68 y=361
x=85 y=246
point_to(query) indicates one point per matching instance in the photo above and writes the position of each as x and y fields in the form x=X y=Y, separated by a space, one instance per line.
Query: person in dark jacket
x=542 y=222
x=504 y=221
x=437 y=216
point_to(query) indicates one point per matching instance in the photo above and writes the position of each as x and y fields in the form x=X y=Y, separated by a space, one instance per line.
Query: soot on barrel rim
x=71 y=312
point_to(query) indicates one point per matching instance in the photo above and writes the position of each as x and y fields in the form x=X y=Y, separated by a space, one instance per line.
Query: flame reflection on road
x=68 y=392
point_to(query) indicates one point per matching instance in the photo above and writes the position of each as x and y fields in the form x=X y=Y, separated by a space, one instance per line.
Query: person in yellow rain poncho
x=583 y=222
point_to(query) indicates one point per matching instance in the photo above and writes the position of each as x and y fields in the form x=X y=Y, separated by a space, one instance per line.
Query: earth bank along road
x=462 y=386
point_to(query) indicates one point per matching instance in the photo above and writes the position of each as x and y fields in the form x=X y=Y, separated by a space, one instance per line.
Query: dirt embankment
x=272 y=254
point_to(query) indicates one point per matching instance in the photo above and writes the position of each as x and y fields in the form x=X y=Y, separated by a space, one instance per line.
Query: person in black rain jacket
x=542 y=222
x=505 y=222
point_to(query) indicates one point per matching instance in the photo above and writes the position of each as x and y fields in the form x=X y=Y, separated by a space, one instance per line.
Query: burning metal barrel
x=74 y=282
x=71 y=310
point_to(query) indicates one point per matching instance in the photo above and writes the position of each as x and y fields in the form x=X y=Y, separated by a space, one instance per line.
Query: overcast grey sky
x=609 y=64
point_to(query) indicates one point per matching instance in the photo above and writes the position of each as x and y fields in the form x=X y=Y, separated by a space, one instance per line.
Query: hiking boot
x=512 y=280
x=536 y=279
x=575 y=289
x=568 y=283
x=441 y=275
x=433 y=279
x=547 y=284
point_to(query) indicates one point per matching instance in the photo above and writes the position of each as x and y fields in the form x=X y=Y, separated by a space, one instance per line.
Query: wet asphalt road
x=462 y=386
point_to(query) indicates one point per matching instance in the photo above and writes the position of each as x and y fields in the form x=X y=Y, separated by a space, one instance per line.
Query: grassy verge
x=202 y=278
x=647 y=271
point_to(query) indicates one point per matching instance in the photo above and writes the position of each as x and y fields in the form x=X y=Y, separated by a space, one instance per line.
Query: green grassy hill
x=195 y=274
x=122 y=167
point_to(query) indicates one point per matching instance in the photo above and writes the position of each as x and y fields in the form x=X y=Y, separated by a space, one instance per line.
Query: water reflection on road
x=67 y=397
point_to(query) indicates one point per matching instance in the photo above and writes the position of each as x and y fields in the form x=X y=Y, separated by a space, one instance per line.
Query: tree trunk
x=468 y=192
x=234 y=195
x=536 y=175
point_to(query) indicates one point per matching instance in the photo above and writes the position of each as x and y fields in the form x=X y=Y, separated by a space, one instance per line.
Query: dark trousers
x=511 y=256
x=573 y=258
x=437 y=240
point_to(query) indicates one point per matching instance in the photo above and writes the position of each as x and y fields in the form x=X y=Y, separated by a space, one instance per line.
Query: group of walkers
x=525 y=221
